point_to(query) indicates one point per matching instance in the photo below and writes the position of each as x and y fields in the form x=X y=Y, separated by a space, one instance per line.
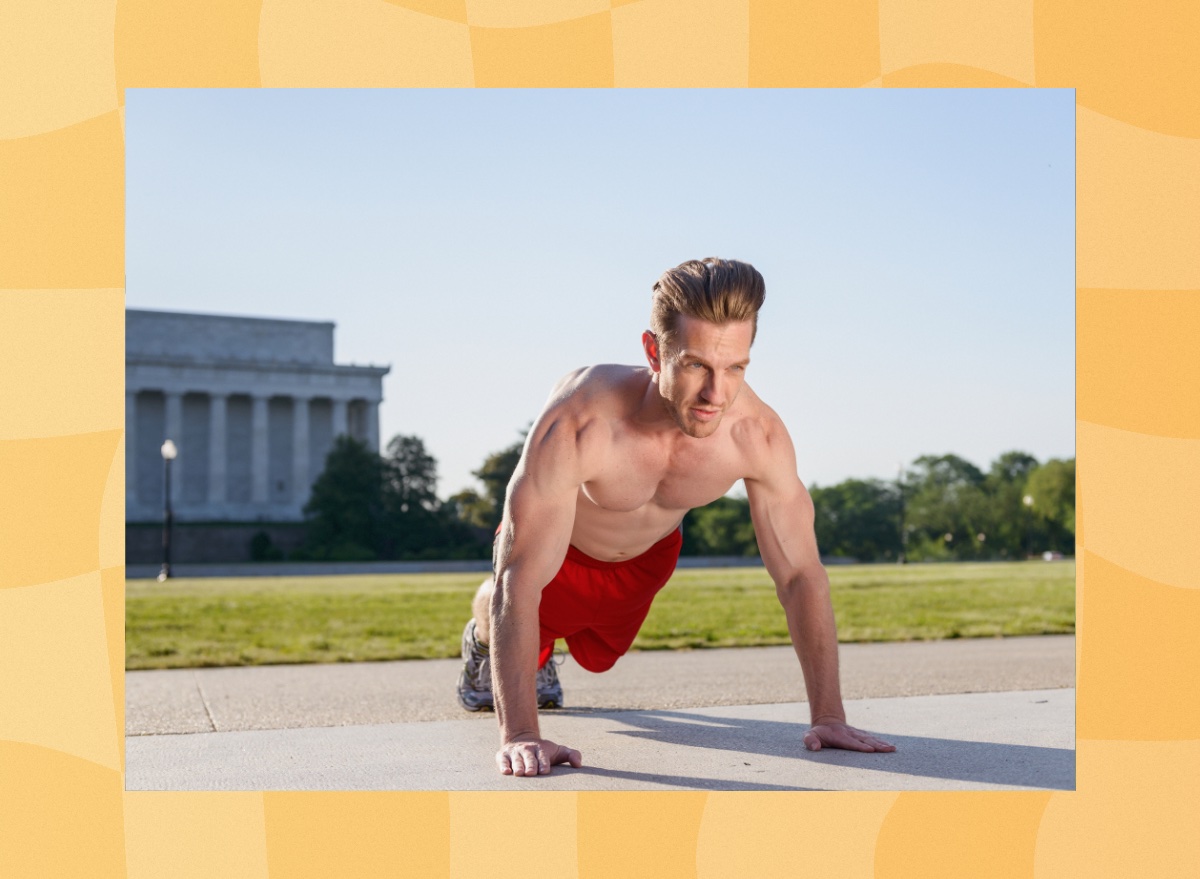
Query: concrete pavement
x=989 y=713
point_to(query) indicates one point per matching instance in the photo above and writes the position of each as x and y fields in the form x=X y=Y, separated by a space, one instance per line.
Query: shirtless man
x=591 y=521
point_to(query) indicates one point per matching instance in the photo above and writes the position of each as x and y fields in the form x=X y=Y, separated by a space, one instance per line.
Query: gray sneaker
x=549 y=690
x=475 y=682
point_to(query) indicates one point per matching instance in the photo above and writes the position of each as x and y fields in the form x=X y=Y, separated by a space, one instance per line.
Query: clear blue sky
x=917 y=246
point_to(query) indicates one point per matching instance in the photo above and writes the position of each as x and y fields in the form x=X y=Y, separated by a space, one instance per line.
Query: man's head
x=704 y=320
x=719 y=291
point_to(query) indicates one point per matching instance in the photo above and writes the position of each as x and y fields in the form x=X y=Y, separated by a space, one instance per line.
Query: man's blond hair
x=719 y=291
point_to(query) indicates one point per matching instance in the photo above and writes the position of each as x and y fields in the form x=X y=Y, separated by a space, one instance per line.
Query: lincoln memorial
x=252 y=405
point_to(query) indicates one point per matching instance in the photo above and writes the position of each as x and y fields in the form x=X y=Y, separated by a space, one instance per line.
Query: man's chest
x=637 y=473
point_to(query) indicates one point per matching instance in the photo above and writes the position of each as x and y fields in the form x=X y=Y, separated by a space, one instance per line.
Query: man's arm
x=538 y=516
x=783 y=523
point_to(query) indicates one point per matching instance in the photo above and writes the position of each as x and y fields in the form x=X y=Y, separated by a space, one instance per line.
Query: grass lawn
x=187 y=623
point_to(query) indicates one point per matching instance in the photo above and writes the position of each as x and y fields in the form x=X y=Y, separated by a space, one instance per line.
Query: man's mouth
x=702 y=414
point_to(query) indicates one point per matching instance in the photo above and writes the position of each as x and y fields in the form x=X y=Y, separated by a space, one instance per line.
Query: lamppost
x=1028 y=502
x=168 y=453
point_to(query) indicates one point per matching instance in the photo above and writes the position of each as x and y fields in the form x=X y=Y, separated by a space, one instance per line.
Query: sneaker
x=549 y=690
x=475 y=682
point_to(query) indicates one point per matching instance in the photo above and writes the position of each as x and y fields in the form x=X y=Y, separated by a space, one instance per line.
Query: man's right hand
x=534 y=757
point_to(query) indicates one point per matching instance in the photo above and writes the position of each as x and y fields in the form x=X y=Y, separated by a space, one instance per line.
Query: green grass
x=260 y=620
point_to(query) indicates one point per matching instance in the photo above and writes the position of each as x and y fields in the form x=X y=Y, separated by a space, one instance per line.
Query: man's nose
x=715 y=390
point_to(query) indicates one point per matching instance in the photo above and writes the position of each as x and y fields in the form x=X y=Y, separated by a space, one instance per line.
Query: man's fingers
x=845 y=737
x=880 y=744
x=535 y=758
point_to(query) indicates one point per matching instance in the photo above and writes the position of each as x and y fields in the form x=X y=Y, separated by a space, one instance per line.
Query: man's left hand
x=841 y=735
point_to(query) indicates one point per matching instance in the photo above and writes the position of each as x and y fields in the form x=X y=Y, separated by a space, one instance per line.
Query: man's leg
x=475 y=682
x=481 y=606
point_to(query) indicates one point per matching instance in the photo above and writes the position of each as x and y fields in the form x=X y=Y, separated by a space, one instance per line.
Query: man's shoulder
x=592 y=391
x=755 y=420
x=760 y=436
x=585 y=404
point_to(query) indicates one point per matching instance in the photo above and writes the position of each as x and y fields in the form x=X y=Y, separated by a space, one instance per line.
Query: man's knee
x=481 y=605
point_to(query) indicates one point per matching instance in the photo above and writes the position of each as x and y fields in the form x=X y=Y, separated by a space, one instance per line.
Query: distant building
x=253 y=406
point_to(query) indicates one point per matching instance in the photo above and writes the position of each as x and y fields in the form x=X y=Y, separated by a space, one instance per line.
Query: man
x=591 y=521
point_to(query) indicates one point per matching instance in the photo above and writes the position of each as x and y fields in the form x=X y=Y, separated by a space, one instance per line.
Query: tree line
x=367 y=506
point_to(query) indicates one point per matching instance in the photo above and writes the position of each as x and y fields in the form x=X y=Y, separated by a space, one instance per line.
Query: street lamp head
x=169 y=451
x=1027 y=500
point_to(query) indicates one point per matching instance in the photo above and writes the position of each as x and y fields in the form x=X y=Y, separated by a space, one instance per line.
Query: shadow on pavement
x=985 y=762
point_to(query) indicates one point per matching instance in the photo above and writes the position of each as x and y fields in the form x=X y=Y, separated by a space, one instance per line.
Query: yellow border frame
x=63 y=809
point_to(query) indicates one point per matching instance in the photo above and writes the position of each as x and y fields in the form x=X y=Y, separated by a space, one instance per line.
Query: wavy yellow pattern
x=53 y=76
x=61 y=815
x=187 y=44
x=813 y=44
x=450 y=10
x=569 y=54
x=50 y=521
x=1136 y=814
x=56 y=689
x=1137 y=368
x=530 y=13
x=1138 y=200
x=981 y=835
x=198 y=835
x=500 y=833
x=1133 y=62
x=651 y=48
x=82 y=358
x=803 y=833
x=365 y=833
x=62 y=77
x=62 y=208
x=1142 y=492
x=992 y=35
x=644 y=834
x=1137 y=668
x=348 y=43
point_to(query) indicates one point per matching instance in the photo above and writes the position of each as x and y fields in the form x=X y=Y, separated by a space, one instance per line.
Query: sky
x=917 y=247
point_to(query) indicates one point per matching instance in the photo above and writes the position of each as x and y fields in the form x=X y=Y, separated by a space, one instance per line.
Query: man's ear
x=650 y=346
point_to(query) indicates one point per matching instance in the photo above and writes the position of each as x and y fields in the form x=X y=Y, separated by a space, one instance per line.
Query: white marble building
x=252 y=404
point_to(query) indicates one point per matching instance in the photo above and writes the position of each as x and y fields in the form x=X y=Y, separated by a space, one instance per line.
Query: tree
x=1008 y=522
x=346 y=510
x=1052 y=488
x=495 y=474
x=946 y=509
x=723 y=527
x=859 y=519
x=413 y=525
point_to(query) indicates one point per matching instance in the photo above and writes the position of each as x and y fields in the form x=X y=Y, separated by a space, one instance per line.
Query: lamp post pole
x=168 y=454
x=1028 y=502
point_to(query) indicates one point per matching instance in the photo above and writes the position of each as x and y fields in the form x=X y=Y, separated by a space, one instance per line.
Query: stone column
x=372 y=416
x=301 y=479
x=217 y=456
x=131 y=450
x=174 y=432
x=339 y=418
x=259 y=449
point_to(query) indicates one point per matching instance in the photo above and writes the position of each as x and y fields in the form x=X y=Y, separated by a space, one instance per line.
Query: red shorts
x=598 y=607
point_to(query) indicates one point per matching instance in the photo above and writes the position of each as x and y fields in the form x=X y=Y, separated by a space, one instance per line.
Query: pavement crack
x=204 y=701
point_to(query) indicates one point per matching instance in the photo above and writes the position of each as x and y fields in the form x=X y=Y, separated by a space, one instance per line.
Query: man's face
x=700 y=375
